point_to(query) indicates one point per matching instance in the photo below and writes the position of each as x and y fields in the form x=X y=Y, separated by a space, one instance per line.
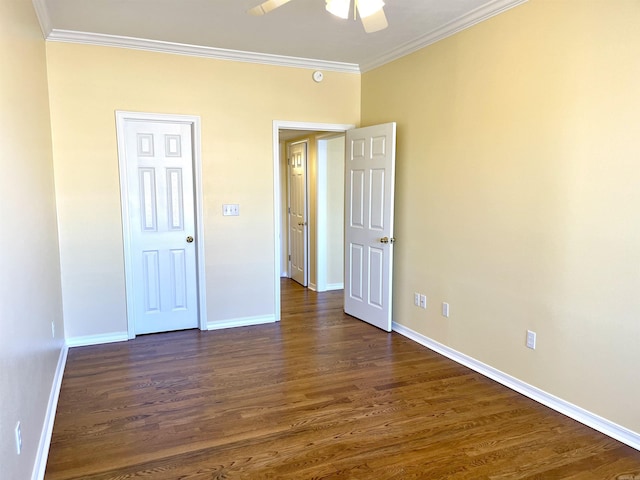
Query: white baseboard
x=579 y=414
x=47 y=428
x=241 y=322
x=313 y=287
x=97 y=339
x=328 y=287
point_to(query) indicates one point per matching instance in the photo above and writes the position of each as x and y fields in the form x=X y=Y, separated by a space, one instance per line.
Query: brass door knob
x=189 y=239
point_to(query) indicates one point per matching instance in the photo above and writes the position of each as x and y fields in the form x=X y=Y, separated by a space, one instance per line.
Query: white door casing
x=298 y=221
x=369 y=204
x=158 y=157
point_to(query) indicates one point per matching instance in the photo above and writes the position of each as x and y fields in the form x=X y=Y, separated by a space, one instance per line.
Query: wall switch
x=416 y=299
x=231 y=209
x=423 y=301
x=53 y=330
x=18 y=433
x=531 y=340
x=445 y=309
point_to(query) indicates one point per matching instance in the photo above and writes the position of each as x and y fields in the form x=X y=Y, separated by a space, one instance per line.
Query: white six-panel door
x=161 y=225
x=298 y=225
x=369 y=202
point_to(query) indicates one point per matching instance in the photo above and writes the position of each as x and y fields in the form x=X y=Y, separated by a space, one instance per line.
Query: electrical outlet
x=18 y=433
x=416 y=299
x=423 y=301
x=53 y=330
x=531 y=340
x=445 y=309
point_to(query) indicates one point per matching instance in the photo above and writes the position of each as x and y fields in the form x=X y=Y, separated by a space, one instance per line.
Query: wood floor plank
x=319 y=395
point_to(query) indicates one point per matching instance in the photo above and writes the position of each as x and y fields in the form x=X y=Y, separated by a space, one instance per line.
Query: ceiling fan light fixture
x=367 y=8
x=339 y=8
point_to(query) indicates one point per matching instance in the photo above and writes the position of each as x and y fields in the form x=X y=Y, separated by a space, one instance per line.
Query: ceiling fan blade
x=266 y=7
x=375 y=22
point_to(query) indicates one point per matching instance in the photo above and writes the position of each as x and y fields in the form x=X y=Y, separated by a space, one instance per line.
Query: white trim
x=87 y=38
x=42 y=454
x=313 y=287
x=277 y=220
x=198 y=201
x=480 y=14
x=121 y=116
x=579 y=414
x=335 y=286
x=241 y=322
x=40 y=6
x=97 y=339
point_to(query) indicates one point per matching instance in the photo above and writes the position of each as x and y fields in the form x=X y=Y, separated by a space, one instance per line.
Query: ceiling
x=299 y=33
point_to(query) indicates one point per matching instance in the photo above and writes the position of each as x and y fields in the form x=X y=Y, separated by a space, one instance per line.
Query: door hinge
x=289 y=257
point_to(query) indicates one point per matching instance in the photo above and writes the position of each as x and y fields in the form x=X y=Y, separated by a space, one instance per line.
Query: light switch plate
x=230 y=209
x=531 y=340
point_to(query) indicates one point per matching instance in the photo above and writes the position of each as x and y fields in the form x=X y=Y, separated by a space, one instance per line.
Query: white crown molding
x=486 y=11
x=579 y=414
x=70 y=36
x=42 y=13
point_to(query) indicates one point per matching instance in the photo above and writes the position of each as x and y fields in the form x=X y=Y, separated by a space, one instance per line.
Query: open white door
x=369 y=198
x=298 y=224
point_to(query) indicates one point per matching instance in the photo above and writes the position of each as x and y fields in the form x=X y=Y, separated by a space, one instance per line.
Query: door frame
x=194 y=121
x=306 y=208
x=277 y=201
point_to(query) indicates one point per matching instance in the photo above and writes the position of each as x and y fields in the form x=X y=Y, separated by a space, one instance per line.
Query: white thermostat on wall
x=318 y=76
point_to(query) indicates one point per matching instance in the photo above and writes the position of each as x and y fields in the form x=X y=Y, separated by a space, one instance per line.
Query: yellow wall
x=237 y=103
x=334 y=236
x=518 y=195
x=30 y=297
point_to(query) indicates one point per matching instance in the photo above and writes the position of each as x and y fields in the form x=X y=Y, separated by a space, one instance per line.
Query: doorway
x=280 y=175
x=313 y=210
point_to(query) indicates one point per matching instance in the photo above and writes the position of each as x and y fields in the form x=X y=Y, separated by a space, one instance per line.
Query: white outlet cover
x=445 y=309
x=423 y=301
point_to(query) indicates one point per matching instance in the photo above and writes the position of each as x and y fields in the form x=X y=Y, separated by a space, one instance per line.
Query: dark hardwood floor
x=319 y=395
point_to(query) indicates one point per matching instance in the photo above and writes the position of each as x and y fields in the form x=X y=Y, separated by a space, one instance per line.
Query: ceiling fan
x=370 y=11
